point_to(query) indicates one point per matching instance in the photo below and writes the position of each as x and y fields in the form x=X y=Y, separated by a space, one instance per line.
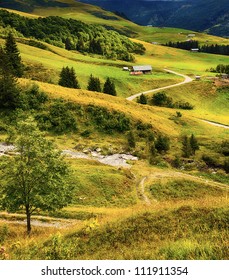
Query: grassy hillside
x=164 y=205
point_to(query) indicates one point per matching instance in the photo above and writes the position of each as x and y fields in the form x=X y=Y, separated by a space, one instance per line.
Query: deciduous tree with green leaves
x=37 y=177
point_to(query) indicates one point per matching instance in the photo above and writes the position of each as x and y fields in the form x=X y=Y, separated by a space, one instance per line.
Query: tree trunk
x=28 y=218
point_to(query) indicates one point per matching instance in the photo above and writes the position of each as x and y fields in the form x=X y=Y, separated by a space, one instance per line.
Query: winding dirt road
x=154 y=177
x=187 y=79
x=216 y=124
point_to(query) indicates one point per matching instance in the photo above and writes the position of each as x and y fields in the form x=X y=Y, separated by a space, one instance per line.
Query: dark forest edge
x=189 y=45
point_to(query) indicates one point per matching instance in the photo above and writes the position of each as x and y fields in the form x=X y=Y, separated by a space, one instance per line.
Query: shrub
x=35 y=98
x=108 y=121
x=183 y=105
x=131 y=139
x=59 y=119
x=224 y=148
x=142 y=99
x=161 y=99
x=86 y=133
x=162 y=144
x=226 y=165
x=210 y=161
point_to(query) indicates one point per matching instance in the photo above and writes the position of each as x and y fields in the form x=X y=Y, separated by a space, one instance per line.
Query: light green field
x=181 y=60
x=157 y=56
x=165 y=34
x=209 y=102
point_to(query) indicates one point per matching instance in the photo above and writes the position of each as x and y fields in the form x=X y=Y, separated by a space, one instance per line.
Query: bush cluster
x=162 y=100
x=108 y=121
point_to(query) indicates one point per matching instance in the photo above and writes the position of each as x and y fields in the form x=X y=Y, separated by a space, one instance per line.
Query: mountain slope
x=211 y=16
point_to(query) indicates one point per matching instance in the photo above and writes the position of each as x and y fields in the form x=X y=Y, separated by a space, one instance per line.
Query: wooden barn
x=144 y=69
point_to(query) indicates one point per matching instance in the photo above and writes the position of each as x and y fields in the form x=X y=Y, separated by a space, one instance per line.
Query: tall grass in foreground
x=186 y=232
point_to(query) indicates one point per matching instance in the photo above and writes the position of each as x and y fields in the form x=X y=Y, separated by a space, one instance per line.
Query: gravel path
x=216 y=124
x=187 y=79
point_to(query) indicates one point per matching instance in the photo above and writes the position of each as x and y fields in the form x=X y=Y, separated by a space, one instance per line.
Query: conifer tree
x=9 y=92
x=73 y=79
x=109 y=87
x=94 y=84
x=194 y=144
x=68 y=78
x=13 y=56
x=186 y=147
x=63 y=76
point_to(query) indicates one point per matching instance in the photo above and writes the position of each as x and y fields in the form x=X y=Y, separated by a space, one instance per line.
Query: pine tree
x=193 y=144
x=152 y=154
x=13 y=56
x=68 y=78
x=73 y=79
x=94 y=84
x=9 y=92
x=63 y=81
x=109 y=87
x=186 y=147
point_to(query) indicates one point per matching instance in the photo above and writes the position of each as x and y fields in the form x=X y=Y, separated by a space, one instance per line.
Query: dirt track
x=187 y=79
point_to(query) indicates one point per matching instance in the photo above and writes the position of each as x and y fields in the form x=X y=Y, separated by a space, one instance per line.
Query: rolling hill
x=162 y=205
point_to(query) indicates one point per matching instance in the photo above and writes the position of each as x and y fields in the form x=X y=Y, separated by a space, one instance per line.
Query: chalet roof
x=142 y=68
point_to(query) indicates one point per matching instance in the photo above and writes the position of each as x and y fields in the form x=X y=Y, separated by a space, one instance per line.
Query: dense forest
x=188 y=45
x=73 y=35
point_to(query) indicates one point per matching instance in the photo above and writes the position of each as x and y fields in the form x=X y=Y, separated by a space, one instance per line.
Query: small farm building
x=145 y=69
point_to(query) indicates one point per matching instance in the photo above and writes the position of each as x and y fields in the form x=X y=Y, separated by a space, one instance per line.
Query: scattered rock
x=113 y=160
x=6 y=149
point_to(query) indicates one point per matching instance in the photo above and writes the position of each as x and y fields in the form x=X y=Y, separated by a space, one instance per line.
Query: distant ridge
x=211 y=16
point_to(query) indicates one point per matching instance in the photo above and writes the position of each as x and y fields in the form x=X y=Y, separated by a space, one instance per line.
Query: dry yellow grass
x=156 y=116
